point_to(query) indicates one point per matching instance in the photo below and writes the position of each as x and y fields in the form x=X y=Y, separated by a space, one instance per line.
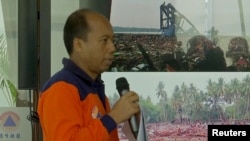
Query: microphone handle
x=132 y=120
x=133 y=125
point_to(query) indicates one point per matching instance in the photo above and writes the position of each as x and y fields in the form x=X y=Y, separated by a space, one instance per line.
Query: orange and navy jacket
x=73 y=107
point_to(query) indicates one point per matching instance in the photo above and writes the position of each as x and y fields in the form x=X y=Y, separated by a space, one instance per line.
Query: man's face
x=99 y=48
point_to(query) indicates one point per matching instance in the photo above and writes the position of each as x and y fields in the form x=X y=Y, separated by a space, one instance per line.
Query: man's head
x=76 y=26
x=88 y=37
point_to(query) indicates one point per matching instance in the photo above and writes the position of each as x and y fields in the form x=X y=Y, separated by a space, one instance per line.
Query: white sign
x=14 y=125
x=142 y=134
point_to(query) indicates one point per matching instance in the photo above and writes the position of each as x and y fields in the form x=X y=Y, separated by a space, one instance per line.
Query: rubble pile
x=172 y=131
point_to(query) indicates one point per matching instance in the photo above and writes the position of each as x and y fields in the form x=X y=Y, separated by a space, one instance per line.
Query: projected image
x=179 y=105
x=176 y=36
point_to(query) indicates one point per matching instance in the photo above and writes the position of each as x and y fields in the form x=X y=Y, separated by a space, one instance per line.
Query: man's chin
x=106 y=68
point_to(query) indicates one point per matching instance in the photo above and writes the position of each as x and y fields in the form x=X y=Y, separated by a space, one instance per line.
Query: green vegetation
x=7 y=88
x=220 y=102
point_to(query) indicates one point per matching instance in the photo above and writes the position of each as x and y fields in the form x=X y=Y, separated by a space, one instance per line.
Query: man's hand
x=125 y=107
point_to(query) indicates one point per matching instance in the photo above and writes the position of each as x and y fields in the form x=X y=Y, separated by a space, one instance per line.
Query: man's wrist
x=109 y=122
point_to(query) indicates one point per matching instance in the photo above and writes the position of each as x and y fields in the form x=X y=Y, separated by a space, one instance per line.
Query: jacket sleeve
x=59 y=110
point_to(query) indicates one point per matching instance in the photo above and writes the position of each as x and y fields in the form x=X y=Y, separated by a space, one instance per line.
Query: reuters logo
x=9 y=121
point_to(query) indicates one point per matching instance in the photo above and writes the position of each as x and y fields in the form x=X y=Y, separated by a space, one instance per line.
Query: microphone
x=122 y=87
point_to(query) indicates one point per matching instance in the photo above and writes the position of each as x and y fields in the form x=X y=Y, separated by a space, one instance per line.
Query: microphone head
x=122 y=84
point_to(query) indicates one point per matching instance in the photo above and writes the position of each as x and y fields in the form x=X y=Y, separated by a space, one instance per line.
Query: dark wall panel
x=27 y=44
x=44 y=42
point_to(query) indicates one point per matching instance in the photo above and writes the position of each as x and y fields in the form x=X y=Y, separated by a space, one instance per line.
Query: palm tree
x=185 y=93
x=232 y=94
x=196 y=100
x=162 y=94
x=214 y=96
x=6 y=87
x=221 y=87
x=246 y=94
x=177 y=102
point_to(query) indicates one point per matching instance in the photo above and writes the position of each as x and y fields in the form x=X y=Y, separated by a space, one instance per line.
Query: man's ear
x=78 y=44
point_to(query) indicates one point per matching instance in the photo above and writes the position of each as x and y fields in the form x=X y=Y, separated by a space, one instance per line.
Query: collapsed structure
x=164 y=52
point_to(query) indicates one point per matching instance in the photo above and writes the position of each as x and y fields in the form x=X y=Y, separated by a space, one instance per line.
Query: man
x=72 y=104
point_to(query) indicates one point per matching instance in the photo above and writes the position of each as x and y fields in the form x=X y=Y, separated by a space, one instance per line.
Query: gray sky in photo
x=145 y=83
x=222 y=14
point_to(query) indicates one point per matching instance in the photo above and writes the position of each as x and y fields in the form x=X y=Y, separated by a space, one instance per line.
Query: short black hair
x=76 y=26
